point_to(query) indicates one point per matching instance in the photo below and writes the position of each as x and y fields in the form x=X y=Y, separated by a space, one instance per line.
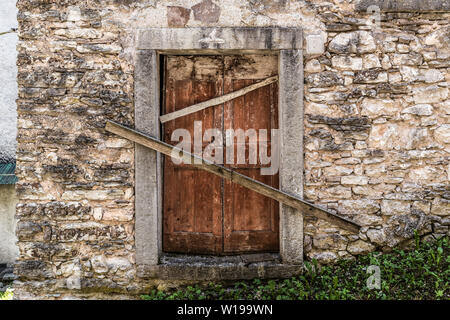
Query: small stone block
x=315 y=44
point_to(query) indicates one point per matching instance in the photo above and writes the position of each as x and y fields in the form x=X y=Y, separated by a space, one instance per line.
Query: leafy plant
x=419 y=274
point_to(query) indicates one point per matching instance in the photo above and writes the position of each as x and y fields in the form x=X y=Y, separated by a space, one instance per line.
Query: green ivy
x=420 y=274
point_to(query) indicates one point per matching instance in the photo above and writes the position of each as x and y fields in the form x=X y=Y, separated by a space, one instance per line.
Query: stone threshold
x=219 y=268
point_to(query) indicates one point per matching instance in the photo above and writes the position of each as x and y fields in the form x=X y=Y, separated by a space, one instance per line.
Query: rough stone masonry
x=377 y=129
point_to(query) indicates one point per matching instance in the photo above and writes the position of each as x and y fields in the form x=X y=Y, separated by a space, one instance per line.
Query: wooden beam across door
x=216 y=101
x=261 y=188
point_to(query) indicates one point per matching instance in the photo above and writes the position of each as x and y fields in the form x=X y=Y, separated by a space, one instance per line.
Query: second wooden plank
x=216 y=101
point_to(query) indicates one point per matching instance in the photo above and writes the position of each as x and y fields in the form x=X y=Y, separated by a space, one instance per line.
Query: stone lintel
x=238 y=38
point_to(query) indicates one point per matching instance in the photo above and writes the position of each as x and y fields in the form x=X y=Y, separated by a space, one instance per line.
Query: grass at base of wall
x=6 y=295
x=423 y=273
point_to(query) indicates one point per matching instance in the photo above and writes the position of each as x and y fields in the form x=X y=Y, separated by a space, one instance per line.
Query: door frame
x=151 y=43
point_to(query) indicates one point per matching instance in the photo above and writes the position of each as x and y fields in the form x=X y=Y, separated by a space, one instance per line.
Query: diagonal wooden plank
x=216 y=101
x=283 y=197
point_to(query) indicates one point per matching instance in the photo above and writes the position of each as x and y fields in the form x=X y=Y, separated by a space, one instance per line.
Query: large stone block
x=353 y=42
x=403 y=5
x=324 y=257
x=440 y=37
x=419 y=110
x=379 y=107
x=390 y=136
x=324 y=79
x=330 y=241
x=407 y=59
x=440 y=207
x=394 y=207
x=345 y=62
x=360 y=247
x=90 y=231
x=430 y=94
x=442 y=134
x=371 y=76
x=356 y=207
x=33 y=270
x=377 y=236
x=354 y=180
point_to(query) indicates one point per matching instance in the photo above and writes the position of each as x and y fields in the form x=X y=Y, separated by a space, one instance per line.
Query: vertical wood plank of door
x=251 y=221
x=192 y=208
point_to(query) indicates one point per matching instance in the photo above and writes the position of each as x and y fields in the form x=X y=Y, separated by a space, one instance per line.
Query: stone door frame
x=151 y=43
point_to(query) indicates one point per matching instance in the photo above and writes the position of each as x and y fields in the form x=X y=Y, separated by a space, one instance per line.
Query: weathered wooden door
x=202 y=213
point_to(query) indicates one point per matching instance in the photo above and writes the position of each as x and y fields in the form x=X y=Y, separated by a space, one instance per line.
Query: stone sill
x=209 y=268
x=404 y=5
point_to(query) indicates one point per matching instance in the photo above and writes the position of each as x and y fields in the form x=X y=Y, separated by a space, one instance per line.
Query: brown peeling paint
x=177 y=16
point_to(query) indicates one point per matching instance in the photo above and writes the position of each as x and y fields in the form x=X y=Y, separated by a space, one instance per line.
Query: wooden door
x=202 y=213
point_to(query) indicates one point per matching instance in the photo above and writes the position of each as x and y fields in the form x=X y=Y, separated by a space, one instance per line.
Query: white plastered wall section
x=8 y=76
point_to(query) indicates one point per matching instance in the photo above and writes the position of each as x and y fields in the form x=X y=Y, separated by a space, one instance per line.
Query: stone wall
x=377 y=131
x=377 y=112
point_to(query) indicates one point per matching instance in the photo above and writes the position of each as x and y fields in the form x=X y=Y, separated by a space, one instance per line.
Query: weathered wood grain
x=192 y=214
x=216 y=101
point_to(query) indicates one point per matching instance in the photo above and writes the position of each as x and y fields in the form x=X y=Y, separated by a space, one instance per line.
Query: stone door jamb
x=151 y=43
